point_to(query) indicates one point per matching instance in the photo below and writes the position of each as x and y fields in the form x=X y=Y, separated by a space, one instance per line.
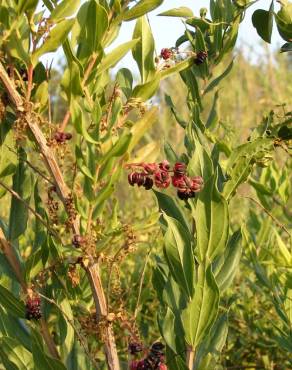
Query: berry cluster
x=159 y=174
x=33 y=308
x=154 y=359
x=174 y=53
x=201 y=57
x=62 y=137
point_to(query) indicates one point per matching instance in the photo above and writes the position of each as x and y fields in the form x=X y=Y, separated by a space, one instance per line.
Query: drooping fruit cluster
x=33 y=308
x=166 y=53
x=159 y=174
x=155 y=359
x=201 y=57
x=176 y=55
x=62 y=137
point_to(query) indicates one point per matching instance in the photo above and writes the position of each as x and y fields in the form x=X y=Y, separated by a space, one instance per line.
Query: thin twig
x=32 y=166
x=37 y=215
x=9 y=252
x=65 y=121
x=141 y=283
x=82 y=340
x=269 y=214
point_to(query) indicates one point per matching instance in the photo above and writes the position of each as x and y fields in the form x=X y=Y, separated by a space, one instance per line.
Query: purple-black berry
x=33 y=308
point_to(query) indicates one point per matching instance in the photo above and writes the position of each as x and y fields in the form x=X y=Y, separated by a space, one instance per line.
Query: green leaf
x=64 y=9
x=18 y=210
x=96 y=25
x=147 y=90
x=11 y=304
x=141 y=8
x=212 y=221
x=217 y=80
x=118 y=149
x=200 y=163
x=231 y=259
x=143 y=51
x=262 y=20
x=13 y=353
x=125 y=80
x=26 y=5
x=182 y=12
x=41 y=359
x=284 y=22
x=55 y=39
x=179 y=254
x=286 y=47
x=143 y=125
x=241 y=162
x=168 y=205
x=111 y=59
x=201 y=311
x=78 y=120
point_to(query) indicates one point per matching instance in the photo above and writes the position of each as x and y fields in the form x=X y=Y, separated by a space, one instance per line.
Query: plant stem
x=190 y=357
x=48 y=157
x=10 y=255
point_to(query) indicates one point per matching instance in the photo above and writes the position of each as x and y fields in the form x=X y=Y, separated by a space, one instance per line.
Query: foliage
x=73 y=234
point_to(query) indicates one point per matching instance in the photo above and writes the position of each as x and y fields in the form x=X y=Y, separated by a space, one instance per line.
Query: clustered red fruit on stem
x=154 y=360
x=166 y=53
x=61 y=137
x=201 y=57
x=158 y=174
x=33 y=308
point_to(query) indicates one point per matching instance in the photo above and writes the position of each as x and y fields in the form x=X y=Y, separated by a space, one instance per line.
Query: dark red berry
x=148 y=183
x=135 y=347
x=183 y=195
x=33 y=308
x=132 y=178
x=77 y=240
x=162 y=179
x=179 y=169
x=166 y=53
x=68 y=136
x=201 y=57
x=61 y=137
x=164 y=165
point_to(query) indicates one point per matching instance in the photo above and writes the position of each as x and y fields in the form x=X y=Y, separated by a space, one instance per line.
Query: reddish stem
x=65 y=121
x=29 y=82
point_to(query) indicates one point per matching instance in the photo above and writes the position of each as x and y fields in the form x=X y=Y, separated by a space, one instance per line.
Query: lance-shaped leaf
x=140 y=127
x=200 y=163
x=111 y=59
x=55 y=39
x=141 y=8
x=182 y=11
x=143 y=51
x=14 y=356
x=230 y=261
x=18 y=210
x=42 y=360
x=179 y=254
x=65 y=9
x=202 y=310
x=12 y=305
x=169 y=206
x=241 y=161
x=212 y=221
